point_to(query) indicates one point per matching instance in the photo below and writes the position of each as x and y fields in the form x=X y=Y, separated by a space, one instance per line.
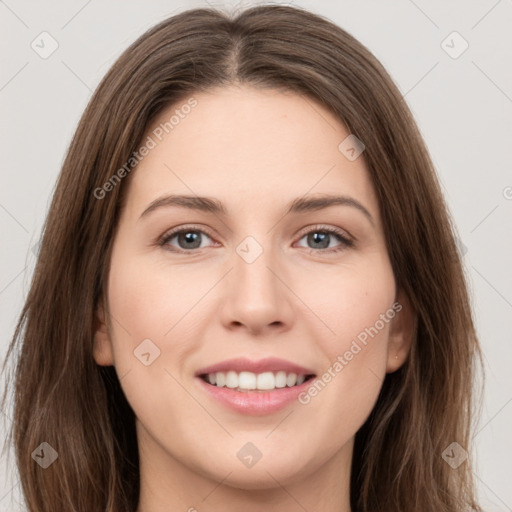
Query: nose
x=256 y=294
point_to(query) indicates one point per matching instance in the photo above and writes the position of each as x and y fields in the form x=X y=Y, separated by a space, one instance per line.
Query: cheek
x=151 y=307
x=152 y=301
x=355 y=305
x=157 y=312
x=358 y=308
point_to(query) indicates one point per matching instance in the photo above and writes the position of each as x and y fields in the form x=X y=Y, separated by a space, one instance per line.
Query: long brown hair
x=63 y=398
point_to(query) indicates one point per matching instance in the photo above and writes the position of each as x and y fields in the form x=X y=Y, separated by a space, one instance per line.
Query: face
x=250 y=288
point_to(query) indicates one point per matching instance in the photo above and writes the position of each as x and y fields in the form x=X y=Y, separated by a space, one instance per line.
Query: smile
x=254 y=387
x=249 y=381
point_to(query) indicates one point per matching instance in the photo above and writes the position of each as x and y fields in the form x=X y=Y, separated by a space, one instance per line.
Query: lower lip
x=255 y=402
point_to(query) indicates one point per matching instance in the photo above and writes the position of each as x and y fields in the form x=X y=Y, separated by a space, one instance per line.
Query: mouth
x=254 y=387
x=246 y=381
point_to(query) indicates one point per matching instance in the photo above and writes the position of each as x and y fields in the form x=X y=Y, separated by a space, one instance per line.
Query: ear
x=102 y=348
x=401 y=333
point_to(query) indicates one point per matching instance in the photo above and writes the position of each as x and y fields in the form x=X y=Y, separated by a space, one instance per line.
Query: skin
x=254 y=150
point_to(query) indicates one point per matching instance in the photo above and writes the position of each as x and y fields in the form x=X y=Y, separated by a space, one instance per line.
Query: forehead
x=242 y=144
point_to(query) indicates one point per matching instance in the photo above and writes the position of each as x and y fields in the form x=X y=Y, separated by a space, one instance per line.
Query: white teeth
x=247 y=380
x=231 y=380
x=220 y=379
x=251 y=381
x=291 y=379
x=280 y=379
x=266 y=380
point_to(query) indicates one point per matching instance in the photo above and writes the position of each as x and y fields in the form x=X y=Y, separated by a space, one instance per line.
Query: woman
x=248 y=291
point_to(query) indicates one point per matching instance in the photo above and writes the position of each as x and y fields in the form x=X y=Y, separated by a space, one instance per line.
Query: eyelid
x=347 y=241
x=187 y=227
x=331 y=229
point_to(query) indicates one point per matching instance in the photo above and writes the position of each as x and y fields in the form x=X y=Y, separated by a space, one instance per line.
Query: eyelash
x=345 y=242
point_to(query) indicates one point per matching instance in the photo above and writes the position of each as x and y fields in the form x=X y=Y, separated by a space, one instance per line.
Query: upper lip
x=268 y=364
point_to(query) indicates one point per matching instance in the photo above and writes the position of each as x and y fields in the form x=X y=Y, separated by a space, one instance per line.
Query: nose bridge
x=256 y=298
x=254 y=259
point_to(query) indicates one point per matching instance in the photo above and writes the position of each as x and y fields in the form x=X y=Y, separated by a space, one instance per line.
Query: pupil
x=191 y=237
x=320 y=237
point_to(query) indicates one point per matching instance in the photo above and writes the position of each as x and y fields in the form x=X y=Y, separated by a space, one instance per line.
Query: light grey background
x=462 y=105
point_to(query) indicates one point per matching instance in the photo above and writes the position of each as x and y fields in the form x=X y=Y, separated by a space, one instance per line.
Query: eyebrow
x=214 y=206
